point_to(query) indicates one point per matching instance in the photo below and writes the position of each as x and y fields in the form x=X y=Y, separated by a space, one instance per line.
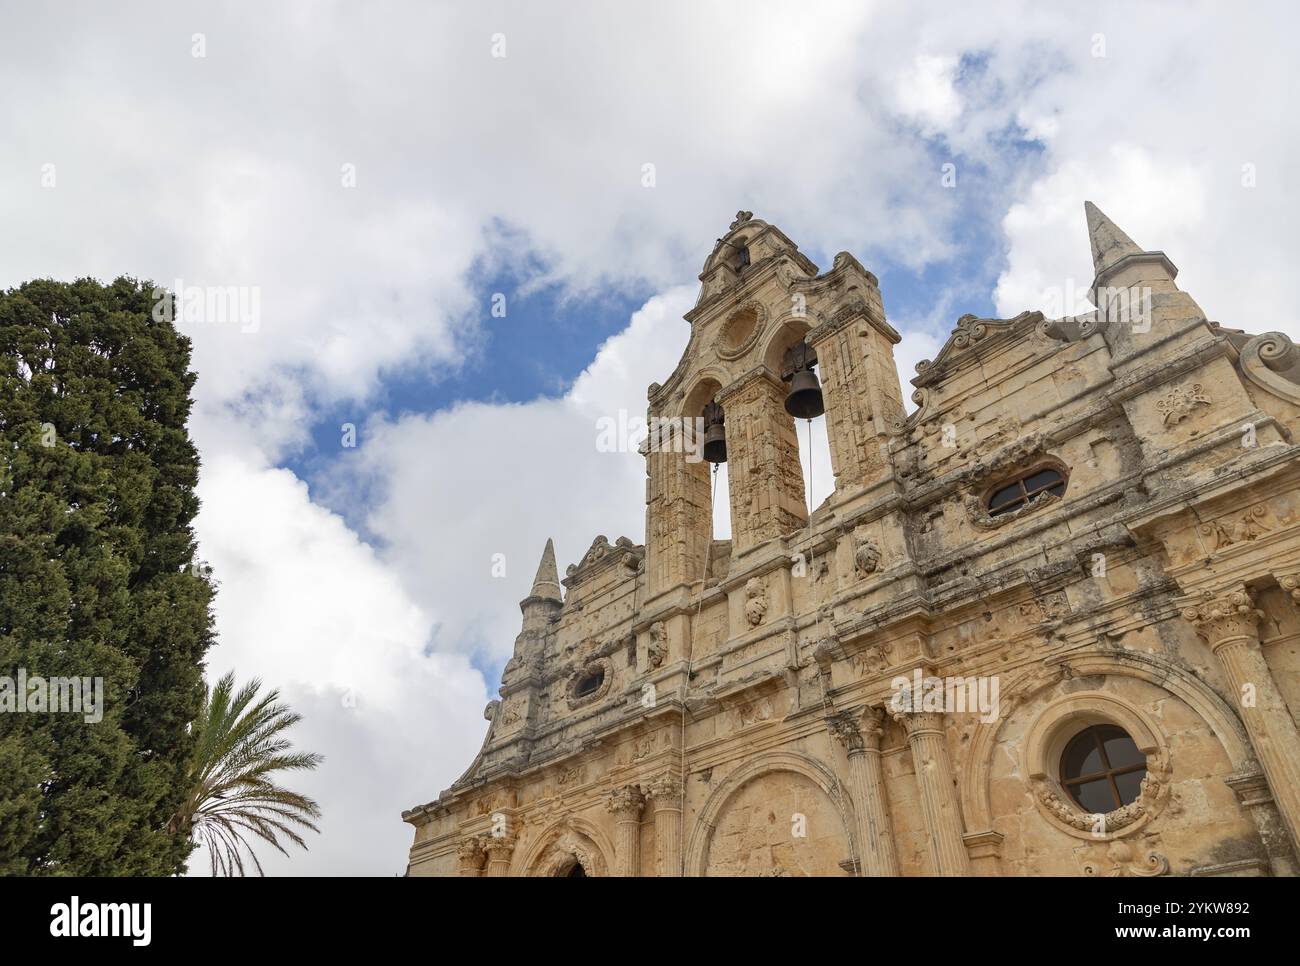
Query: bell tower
x=772 y=338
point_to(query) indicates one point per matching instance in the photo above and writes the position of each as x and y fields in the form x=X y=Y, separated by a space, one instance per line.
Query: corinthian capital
x=664 y=790
x=470 y=854
x=1291 y=584
x=499 y=844
x=873 y=726
x=857 y=733
x=918 y=722
x=625 y=802
x=1224 y=616
x=845 y=729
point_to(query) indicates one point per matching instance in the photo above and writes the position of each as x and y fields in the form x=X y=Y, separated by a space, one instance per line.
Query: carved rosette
x=625 y=803
x=1225 y=616
x=1179 y=403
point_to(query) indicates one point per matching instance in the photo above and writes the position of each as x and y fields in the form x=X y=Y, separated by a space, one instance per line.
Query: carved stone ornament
x=756 y=601
x=866 y=556
x=844 y=728
x=626 y=801
x=1122 y=860
x=1224 y=616
x=1244 y=527
x=1153 y=794
x=1179 y=403
x=601 y=665
x=742 y=217
x=470 y=854
x=657 y=649
x=569 y=849
x=665 y=791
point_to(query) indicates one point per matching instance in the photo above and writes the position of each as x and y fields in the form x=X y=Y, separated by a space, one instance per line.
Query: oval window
x=589 y=683
x=1102 y=769
x=1019 y=493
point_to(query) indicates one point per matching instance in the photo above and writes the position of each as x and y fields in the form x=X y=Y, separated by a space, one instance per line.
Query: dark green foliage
x=98 y=577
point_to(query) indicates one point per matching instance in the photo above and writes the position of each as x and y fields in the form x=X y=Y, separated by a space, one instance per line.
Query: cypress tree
x=98 y=577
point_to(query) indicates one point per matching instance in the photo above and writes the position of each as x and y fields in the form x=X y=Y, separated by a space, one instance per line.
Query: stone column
x=625 y=804
x=679 y=513
x=876 y=855
x=666 y=794
x=855 y=360
x=1229 y=623
x=1253 y=793
x=470 y=856
x=925 y=734
x=763 y=470
x=499 y=849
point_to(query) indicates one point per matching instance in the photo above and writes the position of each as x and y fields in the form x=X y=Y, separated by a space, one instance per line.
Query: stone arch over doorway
x=566 y=845
x=725 y=840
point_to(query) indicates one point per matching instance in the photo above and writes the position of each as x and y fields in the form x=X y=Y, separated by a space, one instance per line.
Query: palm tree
x=240 y=745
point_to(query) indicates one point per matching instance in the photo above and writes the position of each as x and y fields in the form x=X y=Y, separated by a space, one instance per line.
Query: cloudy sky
x=381 y=175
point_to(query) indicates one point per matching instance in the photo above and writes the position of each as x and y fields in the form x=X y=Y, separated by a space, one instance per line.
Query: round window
x=1102 y=769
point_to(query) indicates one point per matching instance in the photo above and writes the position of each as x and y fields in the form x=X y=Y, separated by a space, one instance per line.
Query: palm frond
x=234 y=800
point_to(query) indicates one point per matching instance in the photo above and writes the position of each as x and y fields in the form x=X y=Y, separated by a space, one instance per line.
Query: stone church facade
x=1093 y=520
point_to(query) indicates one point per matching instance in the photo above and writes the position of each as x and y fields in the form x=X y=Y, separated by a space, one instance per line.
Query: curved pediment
x=972 y=338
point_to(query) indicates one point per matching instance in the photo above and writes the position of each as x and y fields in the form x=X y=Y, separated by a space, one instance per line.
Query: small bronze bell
x=715 y=434
x=804 y=401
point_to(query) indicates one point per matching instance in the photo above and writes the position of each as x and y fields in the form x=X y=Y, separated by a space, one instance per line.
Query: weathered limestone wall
x=742 y=720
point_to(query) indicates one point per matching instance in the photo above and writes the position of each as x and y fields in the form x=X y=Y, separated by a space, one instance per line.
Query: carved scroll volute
x=1226 y=616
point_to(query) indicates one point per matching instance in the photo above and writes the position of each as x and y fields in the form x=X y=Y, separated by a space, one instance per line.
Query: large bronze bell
x=715 y=434
x=804 y=400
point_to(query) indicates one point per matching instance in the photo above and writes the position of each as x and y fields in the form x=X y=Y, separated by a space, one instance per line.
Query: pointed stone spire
x=546 y=585
x=1109 y=243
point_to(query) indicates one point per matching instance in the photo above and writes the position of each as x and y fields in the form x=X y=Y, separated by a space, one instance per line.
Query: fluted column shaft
x=626 y=804
x=876 y=852
x=1229 y=622
x=666 y=795
x=925 y=734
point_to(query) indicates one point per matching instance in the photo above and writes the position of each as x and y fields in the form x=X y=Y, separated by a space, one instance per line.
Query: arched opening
x=577 y=872
x=810 y=434
x=719 y=506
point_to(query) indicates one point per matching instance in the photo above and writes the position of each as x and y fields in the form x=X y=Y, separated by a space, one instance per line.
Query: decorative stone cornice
x=626 y=802
x=758 y=374
x=1224 y=616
